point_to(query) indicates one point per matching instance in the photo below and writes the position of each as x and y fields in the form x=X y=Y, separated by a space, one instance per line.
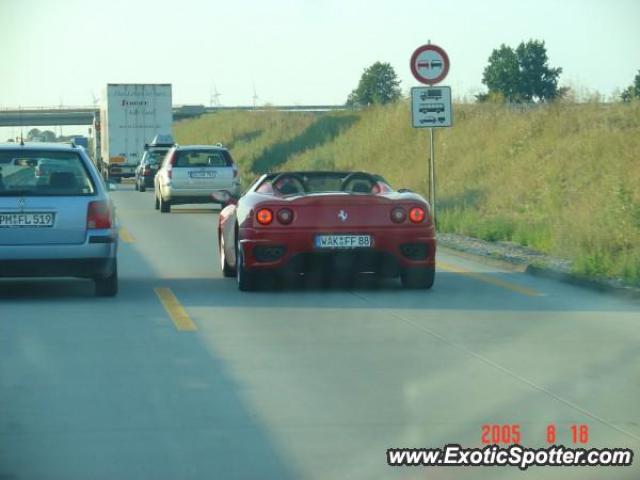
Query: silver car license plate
x=203 y=174
x=43 y=219
x=343 y=241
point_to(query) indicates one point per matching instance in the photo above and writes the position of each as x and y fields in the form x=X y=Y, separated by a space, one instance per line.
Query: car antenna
x=21 y=127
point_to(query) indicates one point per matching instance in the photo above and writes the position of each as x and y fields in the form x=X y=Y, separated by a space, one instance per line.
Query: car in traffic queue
x=56 y=216
x=337 y=223
x=152 y=157
x=194 y=174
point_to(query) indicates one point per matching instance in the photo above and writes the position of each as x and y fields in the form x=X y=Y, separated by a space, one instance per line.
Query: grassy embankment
x=562 y=178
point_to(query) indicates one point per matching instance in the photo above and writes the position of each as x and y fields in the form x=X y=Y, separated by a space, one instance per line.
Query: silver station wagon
x=56 y=216
x=195 y=174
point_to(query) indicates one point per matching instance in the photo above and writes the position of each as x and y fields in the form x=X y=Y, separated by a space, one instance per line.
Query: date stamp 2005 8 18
x=496 y=434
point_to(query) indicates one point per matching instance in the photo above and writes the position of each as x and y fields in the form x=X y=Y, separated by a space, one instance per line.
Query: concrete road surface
x=184 y=377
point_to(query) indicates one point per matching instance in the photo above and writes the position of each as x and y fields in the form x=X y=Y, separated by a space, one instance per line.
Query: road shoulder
x=512 y=257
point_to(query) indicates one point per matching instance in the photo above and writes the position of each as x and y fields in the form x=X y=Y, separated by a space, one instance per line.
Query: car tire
x=244 y=277
x=165 y=206
x=418 y=278
x=227 y=270
x=107 y=286
x=142 y=188
x=157 y=202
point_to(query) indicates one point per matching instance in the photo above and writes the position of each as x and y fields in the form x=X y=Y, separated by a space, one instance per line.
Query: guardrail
x=83 y=115
x=185 y=107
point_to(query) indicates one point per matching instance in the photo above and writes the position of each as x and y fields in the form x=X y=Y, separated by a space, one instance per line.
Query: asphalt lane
x=304 y=382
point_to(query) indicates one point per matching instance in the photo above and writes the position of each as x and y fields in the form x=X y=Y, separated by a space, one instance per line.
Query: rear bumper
x=382 y=263
x=177 y=196
x=68 y=267
x=393 y=250
x=94 y=258
x=122 y=171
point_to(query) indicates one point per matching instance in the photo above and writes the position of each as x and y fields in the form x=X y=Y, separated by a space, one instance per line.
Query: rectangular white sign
x=431 y=107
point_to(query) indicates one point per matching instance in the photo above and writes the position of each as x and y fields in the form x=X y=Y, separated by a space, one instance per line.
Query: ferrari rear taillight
x=264 y=216
x=98 y=215
x=285 y=216
x=417 y=214
x=398 y=215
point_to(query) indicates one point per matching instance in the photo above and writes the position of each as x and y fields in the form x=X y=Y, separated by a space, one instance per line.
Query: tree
x=522 y=75
x=502 y=75
x=48 y=136
x=34 y=134
x=632 y=91
x=378 y=84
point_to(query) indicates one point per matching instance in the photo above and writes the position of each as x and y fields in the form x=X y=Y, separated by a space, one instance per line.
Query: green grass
x=560 y=178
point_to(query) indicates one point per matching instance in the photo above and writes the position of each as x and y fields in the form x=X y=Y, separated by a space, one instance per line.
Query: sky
x=304 y=52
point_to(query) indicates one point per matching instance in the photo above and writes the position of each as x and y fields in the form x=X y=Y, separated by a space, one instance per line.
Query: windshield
x=43 y=173
x=203 y=158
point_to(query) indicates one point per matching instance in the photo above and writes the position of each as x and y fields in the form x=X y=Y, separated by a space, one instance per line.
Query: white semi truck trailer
x=131 y=115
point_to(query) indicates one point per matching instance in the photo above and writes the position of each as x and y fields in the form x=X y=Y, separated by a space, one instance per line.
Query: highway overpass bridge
x=45 y=116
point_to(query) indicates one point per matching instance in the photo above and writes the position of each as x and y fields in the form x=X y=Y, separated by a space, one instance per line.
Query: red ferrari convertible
x=335 y=223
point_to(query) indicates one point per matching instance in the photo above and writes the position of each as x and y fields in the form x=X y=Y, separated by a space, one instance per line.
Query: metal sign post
x=431 y=106
x=432 y=175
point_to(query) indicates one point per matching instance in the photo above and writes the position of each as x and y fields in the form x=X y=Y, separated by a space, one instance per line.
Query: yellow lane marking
x=176 y=311
x=125 y=236
x=530 y=292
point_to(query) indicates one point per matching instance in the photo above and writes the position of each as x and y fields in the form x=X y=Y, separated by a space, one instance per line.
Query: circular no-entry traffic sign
x=429 y=64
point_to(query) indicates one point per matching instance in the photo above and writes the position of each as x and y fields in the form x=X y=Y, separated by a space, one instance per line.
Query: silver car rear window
x=203 y=158
x=43 y=173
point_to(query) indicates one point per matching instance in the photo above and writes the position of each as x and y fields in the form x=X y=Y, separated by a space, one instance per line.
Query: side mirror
x=224 y=197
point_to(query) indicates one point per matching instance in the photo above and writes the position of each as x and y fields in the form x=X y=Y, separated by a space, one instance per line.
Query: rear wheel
x=418 y=277
x=107 y=286
x=227 y=270
x=245 y=278
x=165 y=206
x=157 y=202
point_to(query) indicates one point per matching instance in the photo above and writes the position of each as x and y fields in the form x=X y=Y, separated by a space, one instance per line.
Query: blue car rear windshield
x=43 y=173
